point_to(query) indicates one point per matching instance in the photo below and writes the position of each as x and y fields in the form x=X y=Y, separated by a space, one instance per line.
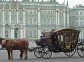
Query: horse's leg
x=11 y=52
x=25 y=54
x=21 y=54
x=8 y=54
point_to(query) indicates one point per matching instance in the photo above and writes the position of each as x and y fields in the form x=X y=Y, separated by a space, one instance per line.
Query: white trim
x=17 y=18
x=24 y=33
x=12 y=33
x=24 y=18
x=10 y=17
x=39 y=33
x=39 y=22
x=56 y=18
x=64 y=14
x=21 y=33
x=3 y=32
x=3 y=18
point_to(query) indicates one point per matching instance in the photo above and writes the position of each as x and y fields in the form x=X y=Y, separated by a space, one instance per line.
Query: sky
x=72 y=2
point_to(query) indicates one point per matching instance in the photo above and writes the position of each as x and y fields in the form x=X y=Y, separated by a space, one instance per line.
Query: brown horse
x=15 y=44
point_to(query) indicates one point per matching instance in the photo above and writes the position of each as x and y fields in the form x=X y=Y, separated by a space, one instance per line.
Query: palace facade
x=29 y=18
x=76 y=19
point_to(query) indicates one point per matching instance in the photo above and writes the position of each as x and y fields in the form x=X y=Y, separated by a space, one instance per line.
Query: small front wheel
x=38 y=52
x=46 y=54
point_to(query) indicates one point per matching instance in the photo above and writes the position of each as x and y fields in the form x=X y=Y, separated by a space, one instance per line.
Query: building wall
x=23 y=19
x=77 y=19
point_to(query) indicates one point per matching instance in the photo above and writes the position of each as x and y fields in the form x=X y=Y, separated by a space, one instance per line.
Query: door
x=17 y=33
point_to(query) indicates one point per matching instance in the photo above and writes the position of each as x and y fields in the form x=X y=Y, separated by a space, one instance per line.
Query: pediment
x=15 y=5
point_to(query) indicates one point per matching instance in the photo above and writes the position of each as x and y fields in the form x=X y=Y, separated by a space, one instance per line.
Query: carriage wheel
x=38 y=52
x=80 y=50
x=70 y=54
x=46 y=54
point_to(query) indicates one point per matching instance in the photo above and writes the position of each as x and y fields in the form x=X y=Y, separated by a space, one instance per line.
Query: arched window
x=6 y=30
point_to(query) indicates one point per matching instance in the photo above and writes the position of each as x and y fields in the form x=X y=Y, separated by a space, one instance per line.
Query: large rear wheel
x=80 y=50
x=46 y=54
x=70 y=54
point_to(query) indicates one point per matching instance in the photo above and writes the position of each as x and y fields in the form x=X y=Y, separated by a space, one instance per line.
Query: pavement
x=58 y=57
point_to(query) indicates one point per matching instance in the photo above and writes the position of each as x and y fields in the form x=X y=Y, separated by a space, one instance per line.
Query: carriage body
x=63 y=40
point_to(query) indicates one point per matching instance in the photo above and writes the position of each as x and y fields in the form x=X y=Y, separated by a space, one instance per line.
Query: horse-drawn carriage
x=64 y=40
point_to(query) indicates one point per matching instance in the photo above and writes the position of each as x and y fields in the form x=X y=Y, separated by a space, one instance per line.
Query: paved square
x=59 y=57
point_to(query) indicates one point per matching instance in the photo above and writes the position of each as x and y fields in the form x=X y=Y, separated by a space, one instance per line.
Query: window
x=20 y=19
x=35 y=21
x=31 y=33
x=6 y=17
x=76 y=23
x=76 y=13
x=13 y=17
x=80 y=13
x=76 y=18
x=60 y=38
x=1 y=17
x=1 y=31
x=61 y=19
x=6 y=33
x=6 y=30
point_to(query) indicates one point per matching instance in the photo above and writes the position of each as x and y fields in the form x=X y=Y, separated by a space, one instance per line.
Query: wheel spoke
x=38 y=53
x=80 y=50
x=46 y=54
x=69 y=54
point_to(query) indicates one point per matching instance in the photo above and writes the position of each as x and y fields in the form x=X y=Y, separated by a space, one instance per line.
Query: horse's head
x=1 y=40
x=4 y=43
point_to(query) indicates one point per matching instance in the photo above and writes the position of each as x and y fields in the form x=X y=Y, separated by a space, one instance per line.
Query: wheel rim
x=46 y=54
x=38 y=52
x=80 y=50
x=70 y=54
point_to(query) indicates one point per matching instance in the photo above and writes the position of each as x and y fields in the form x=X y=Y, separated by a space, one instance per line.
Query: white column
x=17 y=17
x=24 y=18
x=24 y=33
x=3 y=17
x=24 y=23
x=12 y=33
x=3 y=32
x=21 y=33
x=10 y=17
x=56 y=18
x=3 y=25
x=39 y=33
x=10 y=23
x=39 y=24
x=68 y=18
x=64 y=14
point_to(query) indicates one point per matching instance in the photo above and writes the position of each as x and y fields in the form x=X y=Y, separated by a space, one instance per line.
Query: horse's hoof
x=11 y=59
x=8 y=58
x=21 y=58
x=25 y=59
